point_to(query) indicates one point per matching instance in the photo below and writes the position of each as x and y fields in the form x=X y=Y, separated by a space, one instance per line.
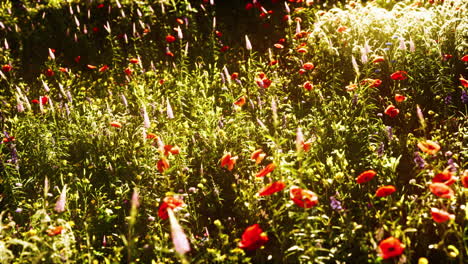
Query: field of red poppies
x=206 y=131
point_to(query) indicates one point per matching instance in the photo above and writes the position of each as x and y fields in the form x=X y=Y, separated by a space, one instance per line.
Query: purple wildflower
x=464 y=97
x=335 y=204
x=420 y=162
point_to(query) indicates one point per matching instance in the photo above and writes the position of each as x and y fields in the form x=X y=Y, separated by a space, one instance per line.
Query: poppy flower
x=351 y=87
x=170 y=39
x=391 y=111
x=35 y=101
x=265 y=171
x=49 y=73
x=302 y=50
x=429 y=147
x=169 y=54
x=103 y=68
x=264 y=83
x=224 y=48
x=463 y=82
x=151 y=136
x=228 y=161
x=303 y=198
x=172 y=202
x=8 y=139
x=342 y=29
x=133 y=61
x=302 y=71
x=53 y=231
x=95 y=29
x=278 y=46
x=91 y=67
x=272 y=188
x=44 y=100
x=308 y=86
x=249 y=6
x=128 y=71
x=441 y=190
x=273 y=62
x=241 y=101
x=391 y=247
x=365 y=176
x=77 y=59
x=385 y=191
x=116 y=124
x=373 y=83
x=441 y=216
x=253 y=238
x=464 y=179
x=64 y=70
x=399 y=75
x=464 y=58
x=6 y=68
x=258 y=156
x=180 y=21
x=400 y=98
x=378 y=59
x=162 y=165
x=308 y=66
x=174 y=150
x=446 y=177
x=234 y=75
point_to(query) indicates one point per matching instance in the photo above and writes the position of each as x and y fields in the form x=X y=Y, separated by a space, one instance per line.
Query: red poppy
x=6 y=68
x=169 y=202
x=134 y=61
x=174 y=150
x=100 y=6
x=162 y=165
x=308 y=66
x=91 y=67
x=263 y=83
x=463 y=82
x=429 y=147
x=391 y=111
x=441 y=190
x=116 y=124
x=400 y=98
x=170 y=38
x=464 y=58
x=391 y=247
x=272 y=188
x=128 y=71
x=241 y=101
x=224 y=48
x=258 y=156
x=8 y=139
x=95 y=29
x=253 y=238
x=273 y=62
x=399 y=75
x=308 y=86
x=385 y=191
x=151 y=136
x=441 y=216
x=373 y=83
x=49 y=72
x=77 y=59
x=303 y=198
x=228 y=161
x=378 y=59
x=169 y=54
x=249 y=6
x=342 y=29
x=365 y=176
x=35 y=101
x=103 y=68
x=302 y=50
x=445 y=177
x=265 y=171
x=278 y=46
x=53 y=231
x=64 y=70
x=180 y=21
x=44 y=100
x=234 y=75
x=464 y=179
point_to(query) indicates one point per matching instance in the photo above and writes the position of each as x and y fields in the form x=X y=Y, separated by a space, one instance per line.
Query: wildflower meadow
x=241 y=131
